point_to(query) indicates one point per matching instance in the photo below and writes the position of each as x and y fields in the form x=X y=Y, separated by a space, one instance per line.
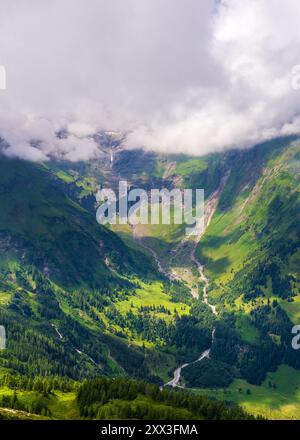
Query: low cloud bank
x=175 y=75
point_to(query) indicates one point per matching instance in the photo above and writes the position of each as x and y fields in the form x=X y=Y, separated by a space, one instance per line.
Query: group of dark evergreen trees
x=252 y=361
x=126 y=398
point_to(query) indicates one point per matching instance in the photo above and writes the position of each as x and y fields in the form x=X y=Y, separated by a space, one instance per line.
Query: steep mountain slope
x=130 y=300
x=252 y=243
x=75 y=299
x=49 y=230
x=250 y=250
x=58 y=267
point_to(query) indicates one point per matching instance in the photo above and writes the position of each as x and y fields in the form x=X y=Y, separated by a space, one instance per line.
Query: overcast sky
x=190 y=76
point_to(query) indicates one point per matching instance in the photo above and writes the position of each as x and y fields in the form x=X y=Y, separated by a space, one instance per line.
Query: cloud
x=175 y=75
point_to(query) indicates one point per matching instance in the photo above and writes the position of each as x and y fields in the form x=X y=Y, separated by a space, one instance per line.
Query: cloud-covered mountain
x=176 y=75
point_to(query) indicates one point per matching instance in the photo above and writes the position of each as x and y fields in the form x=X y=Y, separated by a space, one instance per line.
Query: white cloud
x=178 y=75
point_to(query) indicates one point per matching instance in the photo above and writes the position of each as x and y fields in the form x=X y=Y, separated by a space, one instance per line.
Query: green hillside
x=80 y=301
x=103 y=398
x=75 y=299
x=58 y=270
x=251 y=254
x=277 y=398
x=250 y=249
x=47 y=229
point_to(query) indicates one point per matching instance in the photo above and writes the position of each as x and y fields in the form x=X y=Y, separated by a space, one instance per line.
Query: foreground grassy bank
x=106 y=398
